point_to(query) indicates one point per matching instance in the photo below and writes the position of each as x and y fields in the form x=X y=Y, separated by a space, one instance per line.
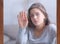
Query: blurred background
x=13 y=7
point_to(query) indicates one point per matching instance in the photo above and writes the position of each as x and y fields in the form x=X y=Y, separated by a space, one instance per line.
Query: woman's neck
x=39 y=30
x=40 y=27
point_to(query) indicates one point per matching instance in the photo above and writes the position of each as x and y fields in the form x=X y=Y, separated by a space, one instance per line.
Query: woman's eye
x=37 y=14
x=31 y=15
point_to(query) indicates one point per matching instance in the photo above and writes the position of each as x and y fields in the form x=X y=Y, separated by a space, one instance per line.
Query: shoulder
x=52 y=30
x=52 y=27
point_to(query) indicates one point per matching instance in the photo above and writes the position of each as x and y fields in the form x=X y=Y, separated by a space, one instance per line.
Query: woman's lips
x=35 y=21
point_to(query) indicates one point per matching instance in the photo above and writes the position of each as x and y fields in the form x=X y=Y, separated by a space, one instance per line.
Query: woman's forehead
x=35 y=10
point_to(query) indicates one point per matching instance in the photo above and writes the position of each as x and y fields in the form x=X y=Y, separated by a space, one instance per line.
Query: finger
x=25 y=16
x=20 y=14
x=20 y=17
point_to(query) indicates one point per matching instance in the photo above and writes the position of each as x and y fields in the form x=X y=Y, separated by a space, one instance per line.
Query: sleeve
x=22 y=36
x=54 y=27
x=53 y=33
x=55 y=37
x=54 y=41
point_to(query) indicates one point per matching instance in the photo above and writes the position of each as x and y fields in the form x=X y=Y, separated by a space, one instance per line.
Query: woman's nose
x=35 y=17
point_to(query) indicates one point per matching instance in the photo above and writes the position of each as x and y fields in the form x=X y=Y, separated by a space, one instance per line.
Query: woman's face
x=37 y=17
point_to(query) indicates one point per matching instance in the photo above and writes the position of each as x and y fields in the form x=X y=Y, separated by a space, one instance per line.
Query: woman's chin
x=37 y=24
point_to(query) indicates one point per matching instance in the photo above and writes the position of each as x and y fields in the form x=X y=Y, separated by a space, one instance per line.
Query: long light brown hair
x=42 y=9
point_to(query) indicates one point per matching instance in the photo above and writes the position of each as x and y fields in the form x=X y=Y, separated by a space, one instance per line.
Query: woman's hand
x=22 y=19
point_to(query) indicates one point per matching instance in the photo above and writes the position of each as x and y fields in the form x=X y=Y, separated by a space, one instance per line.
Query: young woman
x=36 y=27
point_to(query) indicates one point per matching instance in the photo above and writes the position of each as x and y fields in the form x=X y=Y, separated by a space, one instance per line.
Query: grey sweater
x=26 y=36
